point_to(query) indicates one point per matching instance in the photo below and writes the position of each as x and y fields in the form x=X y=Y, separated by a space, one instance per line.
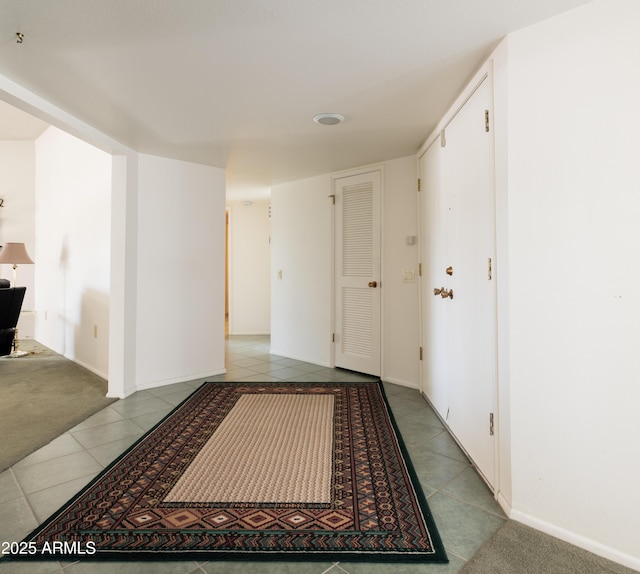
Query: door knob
x=449 y=270
x=373 y=284
x=444 y=294
x=438 y=291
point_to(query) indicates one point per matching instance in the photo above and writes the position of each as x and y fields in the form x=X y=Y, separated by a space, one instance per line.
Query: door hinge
x=333 y=199
x=421 y=353
x=491 y=424
x=486 y=120
x=419 y=269
x=333 y=337
x=489 y=269
x=443 y=139
x=419 y=184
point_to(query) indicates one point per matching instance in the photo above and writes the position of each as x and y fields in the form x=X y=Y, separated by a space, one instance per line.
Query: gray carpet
x=518 y=549
x=43 y=395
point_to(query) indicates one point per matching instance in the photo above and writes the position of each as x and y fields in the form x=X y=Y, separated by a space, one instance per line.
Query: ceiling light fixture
x=328 y=119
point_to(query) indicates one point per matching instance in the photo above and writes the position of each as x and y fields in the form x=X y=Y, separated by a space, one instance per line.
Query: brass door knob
x=438 y=291
x=373 y=284
x=449 y=271
x=444 y=294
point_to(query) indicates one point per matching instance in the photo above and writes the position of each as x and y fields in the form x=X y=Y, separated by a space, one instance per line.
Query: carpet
x=43 y=396
x=519 y=549
x=276 y=471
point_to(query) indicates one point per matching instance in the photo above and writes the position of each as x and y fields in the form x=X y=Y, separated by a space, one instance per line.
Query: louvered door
x=357 y=272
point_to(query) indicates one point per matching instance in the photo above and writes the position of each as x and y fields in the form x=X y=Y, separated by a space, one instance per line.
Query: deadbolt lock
x=449 y=271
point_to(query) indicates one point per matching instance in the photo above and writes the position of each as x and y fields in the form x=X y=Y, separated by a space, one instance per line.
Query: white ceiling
x=235 y=83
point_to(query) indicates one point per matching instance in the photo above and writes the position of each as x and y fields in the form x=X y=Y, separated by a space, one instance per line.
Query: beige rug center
x=268 y=449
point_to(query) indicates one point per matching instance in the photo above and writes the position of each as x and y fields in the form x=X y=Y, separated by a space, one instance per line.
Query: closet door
x=457 y=288
x=434 y=256
x=357 y=272
x=471 y=321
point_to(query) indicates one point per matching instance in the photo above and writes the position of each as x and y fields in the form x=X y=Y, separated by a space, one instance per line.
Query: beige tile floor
x=463 y=507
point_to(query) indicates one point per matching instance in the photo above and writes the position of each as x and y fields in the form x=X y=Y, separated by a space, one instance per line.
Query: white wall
x=574 y=253
x=499 y=68
x=72 y=252
x=17 y=188
x=249 y=268
x=401 y=327
x=302 y=248
x=180 y=271
x=123 y=301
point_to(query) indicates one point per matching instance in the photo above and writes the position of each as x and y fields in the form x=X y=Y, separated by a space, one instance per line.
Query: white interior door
x=433 y=249
x=459 y=331
x=357 y=272
x=472 y=311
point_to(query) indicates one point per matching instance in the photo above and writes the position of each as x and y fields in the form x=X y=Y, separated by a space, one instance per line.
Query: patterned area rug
x=302 y=471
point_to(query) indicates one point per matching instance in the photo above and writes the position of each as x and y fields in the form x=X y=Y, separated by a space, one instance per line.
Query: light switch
x=409 y=276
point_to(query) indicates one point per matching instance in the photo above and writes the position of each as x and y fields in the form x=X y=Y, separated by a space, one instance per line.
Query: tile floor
x=31 y=490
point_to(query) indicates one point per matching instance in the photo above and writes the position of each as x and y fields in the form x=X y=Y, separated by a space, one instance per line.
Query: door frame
x=335 y=176
x=485 y=73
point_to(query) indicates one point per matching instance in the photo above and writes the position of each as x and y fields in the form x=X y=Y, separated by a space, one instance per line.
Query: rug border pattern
x=212 y=540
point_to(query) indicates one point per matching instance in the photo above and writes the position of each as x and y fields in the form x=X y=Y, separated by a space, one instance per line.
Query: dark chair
x=10 y=305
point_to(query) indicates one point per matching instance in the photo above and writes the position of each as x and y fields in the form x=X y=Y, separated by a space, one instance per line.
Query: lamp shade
x=15 y=253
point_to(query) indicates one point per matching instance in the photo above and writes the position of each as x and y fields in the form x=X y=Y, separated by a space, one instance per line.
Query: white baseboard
x=401 y=383
x=504 y=504
x=286 y=355
x=89 y=368
x=248 y=333
x=577 y=540
x=190 y=377
x=126 y=393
